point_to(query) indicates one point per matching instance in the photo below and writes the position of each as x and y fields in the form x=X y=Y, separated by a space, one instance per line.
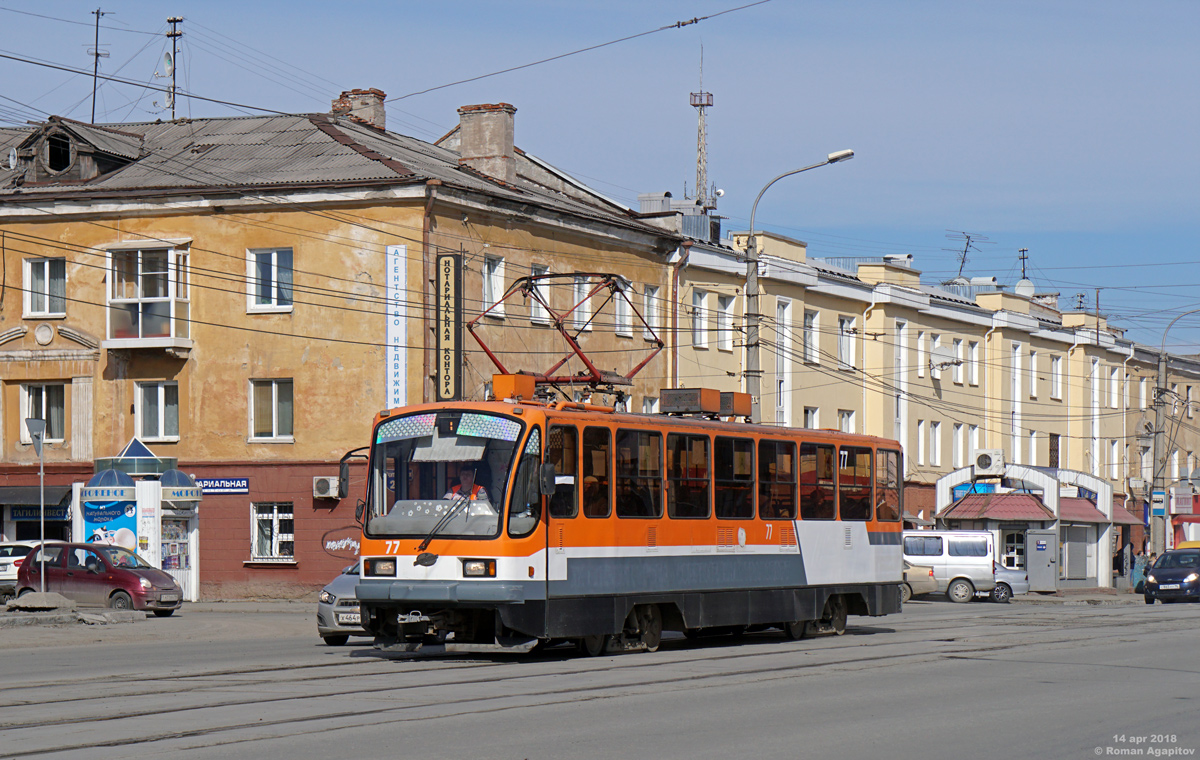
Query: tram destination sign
x=448 y=282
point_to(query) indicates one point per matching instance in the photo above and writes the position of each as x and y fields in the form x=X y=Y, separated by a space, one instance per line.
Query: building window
x=812 y=417
x=921 y=353
x=582 y=303
x=1188 y=397
x=699 y=319
x=1014 y=549
x=959 y=360
x=921 y=442
x=148 y=296
x=649 y=405
x=725 y=323
x=1114 y=388
x=846 y=420
x=1143 y=396
x=270 y=280
x=1033 y=448
x=45 y=287
x=973 y=363
x=972 y=441
x=537 y=312
x=935 y=444
x=1114 y=460
x=45 y=402
x=1056 y=377
x=935 y=369
x=846 y=332
x=493 y=286
x=650 y=311
x=958 y=443
x=1033 y=391
x=783 y=340
x=624 y=313
x=1052 y=451
x=158 y=411
x=811 y=353
x=271 y=410
x=272 y=530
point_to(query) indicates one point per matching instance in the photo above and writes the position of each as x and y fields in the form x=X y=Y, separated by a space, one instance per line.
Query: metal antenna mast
x=1024 y=256
x=174 y=36
x=702 y=100
x=970 y=241
x=97 y=53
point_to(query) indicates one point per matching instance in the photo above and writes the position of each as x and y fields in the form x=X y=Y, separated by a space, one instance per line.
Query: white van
x=961 y=560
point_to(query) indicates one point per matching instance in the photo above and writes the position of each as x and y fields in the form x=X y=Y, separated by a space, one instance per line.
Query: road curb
x=20 y=619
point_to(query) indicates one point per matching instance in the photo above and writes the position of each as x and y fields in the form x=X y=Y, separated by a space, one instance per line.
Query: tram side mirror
x=359 y=510
x=344 y=480
x=548 y=484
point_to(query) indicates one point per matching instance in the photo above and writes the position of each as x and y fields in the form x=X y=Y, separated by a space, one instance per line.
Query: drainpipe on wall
x=426 y=279
x=687 y=251
x=1125 y=420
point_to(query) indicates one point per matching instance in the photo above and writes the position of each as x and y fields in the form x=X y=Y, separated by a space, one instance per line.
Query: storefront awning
x=1122 y=516
x=31 y=496
x=915 y=520
x=1016 y=507
x=1074 y=509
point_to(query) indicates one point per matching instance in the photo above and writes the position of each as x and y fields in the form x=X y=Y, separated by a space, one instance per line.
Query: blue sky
x=1067 y=128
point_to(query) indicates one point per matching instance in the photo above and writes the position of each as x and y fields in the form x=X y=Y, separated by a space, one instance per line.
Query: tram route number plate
x=349 y=618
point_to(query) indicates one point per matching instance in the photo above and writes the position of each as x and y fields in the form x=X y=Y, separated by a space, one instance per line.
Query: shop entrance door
x=1041 y=559
x=177 y=553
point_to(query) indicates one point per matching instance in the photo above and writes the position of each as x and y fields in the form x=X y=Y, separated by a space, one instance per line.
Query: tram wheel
x=649 y=620
x=835 y=614
x=796 y=630
x=593 y=646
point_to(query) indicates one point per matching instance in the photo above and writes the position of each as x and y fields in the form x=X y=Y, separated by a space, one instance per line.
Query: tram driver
x=467 y=484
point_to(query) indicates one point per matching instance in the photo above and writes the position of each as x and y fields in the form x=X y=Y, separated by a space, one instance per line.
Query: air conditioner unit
x=989 y=462
x=325 y=487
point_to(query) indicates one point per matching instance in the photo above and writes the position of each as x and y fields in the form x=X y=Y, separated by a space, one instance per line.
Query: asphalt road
x=939 y=681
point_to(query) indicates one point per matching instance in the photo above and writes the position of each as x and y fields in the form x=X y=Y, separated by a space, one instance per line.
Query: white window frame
x=935 y=444
x=959 y=445
x=35 y=393
x=973 y=363
x=493 y=286
x=1114 y=459
x=1188 y=398
x=538 y=314
x=956 y=374
x=921 y=362
x=725 y=322
x=972 y=441
x=280 y=512
x=1056 y=377
x=812 y=417
x=275 y=384
x=139 y=416
x=921 y=442
x=275 y=303
x=935 y=342
x=699 y=318
x=812 y=336
x=1114 y=388
x=1033 y=389
x=1032 y=448
x=46 y=293
x=177 y=296
x=847 y=327
x=582 y=317
x=650 y=312
x=1143 y=395
x=649 y=405
x=783 y=379
x=624 y=314
x=846 y=420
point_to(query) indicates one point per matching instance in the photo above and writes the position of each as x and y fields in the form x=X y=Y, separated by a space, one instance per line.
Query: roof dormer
x=64 y=150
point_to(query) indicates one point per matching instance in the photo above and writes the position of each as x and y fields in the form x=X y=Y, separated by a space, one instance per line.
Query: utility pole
x=1158 y=523
x=174 y=36
x=97 y=53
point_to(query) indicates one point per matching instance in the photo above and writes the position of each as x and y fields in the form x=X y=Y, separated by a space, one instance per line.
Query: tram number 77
x=391 y=547
x=769 y=527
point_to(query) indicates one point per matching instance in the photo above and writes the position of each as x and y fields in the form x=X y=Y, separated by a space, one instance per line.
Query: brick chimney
x=363 y=106
x=485 y=140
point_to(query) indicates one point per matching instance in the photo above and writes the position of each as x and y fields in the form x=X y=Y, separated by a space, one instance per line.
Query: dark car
x=101 y=575
x=1175 y=576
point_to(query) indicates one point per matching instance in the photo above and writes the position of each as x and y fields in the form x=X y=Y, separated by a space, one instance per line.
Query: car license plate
x=1169 y=586
x=169 y=598
x=348 y=618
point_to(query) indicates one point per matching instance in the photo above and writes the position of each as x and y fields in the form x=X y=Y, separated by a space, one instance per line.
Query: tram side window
x=854 y=482
x=777 y=480
x=526 y=509
x=818 y=500
x=887 y=486
x=687 y=476
x=597 y=485
x=639 y=473
x=922 y=546
x=733 y=473
x=562 y=450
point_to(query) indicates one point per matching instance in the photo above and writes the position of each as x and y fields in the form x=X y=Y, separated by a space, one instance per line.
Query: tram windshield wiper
x=425 y=558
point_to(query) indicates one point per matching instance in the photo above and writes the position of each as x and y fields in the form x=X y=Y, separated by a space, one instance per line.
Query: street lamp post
x=37 y=432
x=753 y=371
x=1158 y=524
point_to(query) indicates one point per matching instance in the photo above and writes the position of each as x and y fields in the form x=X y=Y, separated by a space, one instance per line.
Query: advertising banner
x=448 y=283
x=109 y=520
x=396 y=379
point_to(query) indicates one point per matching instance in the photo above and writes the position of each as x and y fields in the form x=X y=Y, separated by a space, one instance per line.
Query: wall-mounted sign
x=396 y=372
x=1040 y=545
x=223 y=485
x=448 y=284
x=1158 y=504
x=33 y=514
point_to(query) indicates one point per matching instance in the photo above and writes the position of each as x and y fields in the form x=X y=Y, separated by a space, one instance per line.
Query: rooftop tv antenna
x=700 y=101
x=970 y=242
x=170 y=61
x=97 y=54
x=1023 y=255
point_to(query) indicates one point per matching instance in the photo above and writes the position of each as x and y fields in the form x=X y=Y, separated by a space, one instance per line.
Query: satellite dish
x=168 y=65
x=12 y=159
x=1025 y=288
x=941 y=356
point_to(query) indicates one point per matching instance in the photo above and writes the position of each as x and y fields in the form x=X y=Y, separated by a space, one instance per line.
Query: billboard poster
x=396 y=379
x=110 y=522
x=448 y=283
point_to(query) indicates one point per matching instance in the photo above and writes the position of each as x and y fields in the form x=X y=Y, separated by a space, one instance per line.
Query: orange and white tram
x=493 y=526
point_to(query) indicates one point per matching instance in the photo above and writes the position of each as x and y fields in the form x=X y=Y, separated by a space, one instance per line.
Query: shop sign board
x=223 y=485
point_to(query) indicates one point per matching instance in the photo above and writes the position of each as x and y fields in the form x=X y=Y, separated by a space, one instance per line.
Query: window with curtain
x=537 y=312
x=45 y=287
x=272 y=531
x=271 y=409
x=158 y=411
x=271 y=277
x=45 y=402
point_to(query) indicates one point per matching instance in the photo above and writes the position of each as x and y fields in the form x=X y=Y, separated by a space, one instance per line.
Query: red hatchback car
x=101 y=575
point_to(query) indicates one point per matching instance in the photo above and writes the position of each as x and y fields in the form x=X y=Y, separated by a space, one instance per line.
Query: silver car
x=337 y=609
x=1008 y=582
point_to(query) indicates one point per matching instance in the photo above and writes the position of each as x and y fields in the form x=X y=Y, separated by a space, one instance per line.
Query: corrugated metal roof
x=1018 y=507
x=1075 y=509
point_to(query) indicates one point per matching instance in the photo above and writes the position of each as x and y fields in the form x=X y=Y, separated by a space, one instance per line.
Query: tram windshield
x=428 y=465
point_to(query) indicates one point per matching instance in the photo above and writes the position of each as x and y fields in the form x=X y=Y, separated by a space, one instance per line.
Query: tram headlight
x=377 y=567
x=479 y=568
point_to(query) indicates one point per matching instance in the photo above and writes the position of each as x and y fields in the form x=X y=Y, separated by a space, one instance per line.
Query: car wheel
x=120 y=601
x=960 y=592
x=1149 y=599
x=24 y=591
x=1002 y=594
x=164 y=613
x=905 y=593
x=336 y=640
